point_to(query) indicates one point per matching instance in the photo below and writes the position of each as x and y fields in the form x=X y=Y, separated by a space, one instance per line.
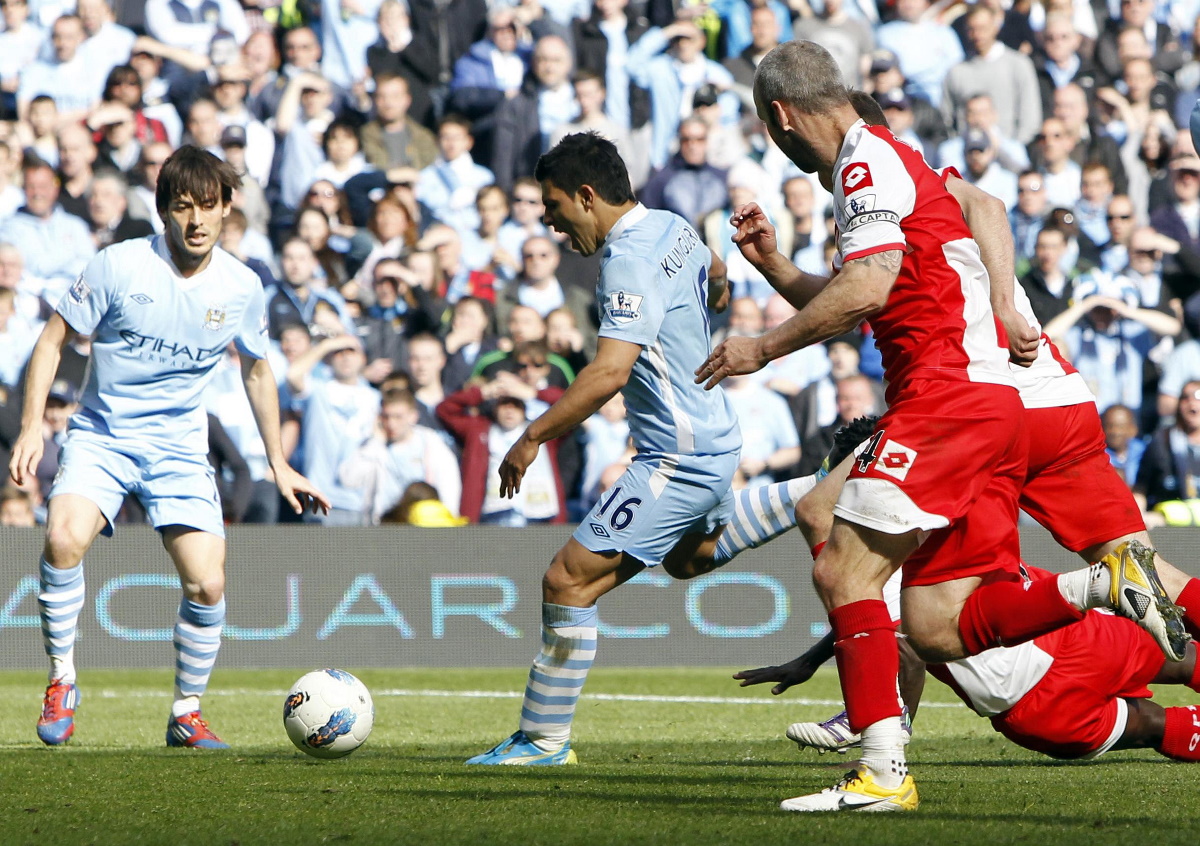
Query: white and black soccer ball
x=328 y=713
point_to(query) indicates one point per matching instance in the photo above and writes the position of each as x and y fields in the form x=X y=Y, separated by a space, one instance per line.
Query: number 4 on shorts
x=867 y=457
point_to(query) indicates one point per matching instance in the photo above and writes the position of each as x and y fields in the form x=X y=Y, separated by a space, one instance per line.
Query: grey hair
x=803 y=75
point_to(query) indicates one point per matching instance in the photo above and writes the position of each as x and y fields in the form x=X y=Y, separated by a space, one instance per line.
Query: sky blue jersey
x=156 y=339
x=653 y=291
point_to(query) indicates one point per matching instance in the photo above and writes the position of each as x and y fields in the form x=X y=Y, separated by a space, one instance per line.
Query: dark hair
x=868 y=108
x=339 y=126
x=118 y=74
x=196 y=173
x=414 y=493
x=586 y=158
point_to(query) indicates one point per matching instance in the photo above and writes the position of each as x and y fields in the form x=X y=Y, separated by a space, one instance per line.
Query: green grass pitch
x=668 y=756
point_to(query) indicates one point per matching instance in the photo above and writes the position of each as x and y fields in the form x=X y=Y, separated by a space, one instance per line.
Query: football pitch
x=667 y=756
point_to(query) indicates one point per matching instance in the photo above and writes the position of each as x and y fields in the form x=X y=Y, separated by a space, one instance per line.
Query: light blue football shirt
x=653 y=291
x=156 y=339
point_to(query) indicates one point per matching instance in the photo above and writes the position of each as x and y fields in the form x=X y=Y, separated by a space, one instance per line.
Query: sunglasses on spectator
x=1120 y=217
x=328 y=193
x=1145 y=253
x=525 y=365
x=391 y=280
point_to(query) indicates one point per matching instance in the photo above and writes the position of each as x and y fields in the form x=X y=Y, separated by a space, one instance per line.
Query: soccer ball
x=328 y=713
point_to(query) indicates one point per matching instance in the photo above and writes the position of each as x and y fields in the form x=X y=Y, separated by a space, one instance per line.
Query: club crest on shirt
x=623 y=307
x=855 y=177
x=214 y=318
x=80 y=291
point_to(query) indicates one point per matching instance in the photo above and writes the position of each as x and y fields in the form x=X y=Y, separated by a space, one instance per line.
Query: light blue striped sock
x=197 y=640
x=59 y=602
x=761 y=514
x=558 y=673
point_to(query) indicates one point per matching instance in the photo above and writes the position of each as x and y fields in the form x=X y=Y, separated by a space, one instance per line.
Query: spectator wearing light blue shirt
x=449 y=186
x=67 y=77
x=925 y=49
x=55 y=245
x=670 y=63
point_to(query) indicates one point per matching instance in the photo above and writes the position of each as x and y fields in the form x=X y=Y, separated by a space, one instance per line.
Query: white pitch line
x=513 y=694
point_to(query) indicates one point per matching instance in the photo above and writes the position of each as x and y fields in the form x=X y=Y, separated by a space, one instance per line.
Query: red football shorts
x=1071 y=487
x=947 y=458
x=1072 y=711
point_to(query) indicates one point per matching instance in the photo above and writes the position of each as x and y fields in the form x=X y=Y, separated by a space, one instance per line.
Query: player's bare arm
x=263 y=394
x=595 y=385
x=718 y=284
x=43 y=364
x=859 y=291
x=987 y=218
x=755 y=237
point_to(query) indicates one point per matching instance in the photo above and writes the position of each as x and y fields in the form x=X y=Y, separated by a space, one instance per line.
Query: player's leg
x=199 y=558
x=849 y=575
x=72 y=524
x=763 y=513
x=1067 y=459
x=1174 y=731
x=575 y=580
x=658 y=503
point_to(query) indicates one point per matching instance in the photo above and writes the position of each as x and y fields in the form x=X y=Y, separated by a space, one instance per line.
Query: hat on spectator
x=63 y=391
x=706 y=95
x=1099 y=283
x=976 y=140
x=433 y=514
x=233 y=136
x=883 y=60
x=894 y=99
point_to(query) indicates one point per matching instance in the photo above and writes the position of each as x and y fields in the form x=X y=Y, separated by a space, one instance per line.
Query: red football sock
x=1189 y=601
x=1009 y=613
x=1194 y=684
x=816 y=550
x=868 y=661
x=1181 y=739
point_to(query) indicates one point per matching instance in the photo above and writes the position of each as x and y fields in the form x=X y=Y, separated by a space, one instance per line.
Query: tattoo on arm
x=889 y=260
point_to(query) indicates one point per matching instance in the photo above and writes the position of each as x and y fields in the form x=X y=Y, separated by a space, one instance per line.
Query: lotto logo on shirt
x=855 y=177
x=623 y=307
x=895 y=460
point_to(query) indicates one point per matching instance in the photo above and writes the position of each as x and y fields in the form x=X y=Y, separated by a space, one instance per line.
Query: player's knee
x=207 y=591
x=935 y=647
x=828 y=580
x=558 y=582
x=695 y=566
x=813 y=520
x=64 y=546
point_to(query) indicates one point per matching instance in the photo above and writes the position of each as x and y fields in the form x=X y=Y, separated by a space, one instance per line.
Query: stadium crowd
x=420 y=313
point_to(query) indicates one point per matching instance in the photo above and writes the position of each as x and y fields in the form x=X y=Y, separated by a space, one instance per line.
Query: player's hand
x=300 y=493
x=26 y=454
x=514 y=465
x=754 y=234
x=1023 y=339
x=733 y=357
x=794 y=672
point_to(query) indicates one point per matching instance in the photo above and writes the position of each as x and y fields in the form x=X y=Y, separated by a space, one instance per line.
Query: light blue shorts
x=175 y=490
x=657 y=501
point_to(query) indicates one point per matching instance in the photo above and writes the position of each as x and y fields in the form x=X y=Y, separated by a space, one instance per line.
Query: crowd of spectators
x=420 y=312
